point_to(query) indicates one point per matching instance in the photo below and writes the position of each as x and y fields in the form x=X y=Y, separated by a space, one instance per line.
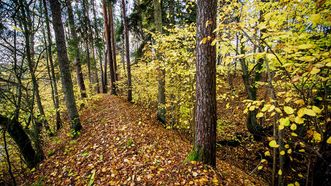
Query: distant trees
x=205 y=113
x=64 y=66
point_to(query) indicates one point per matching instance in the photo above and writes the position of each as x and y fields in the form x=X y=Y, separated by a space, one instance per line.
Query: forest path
x=121 y=144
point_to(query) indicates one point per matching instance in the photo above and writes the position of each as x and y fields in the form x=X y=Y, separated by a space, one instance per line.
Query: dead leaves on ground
x=122 y=145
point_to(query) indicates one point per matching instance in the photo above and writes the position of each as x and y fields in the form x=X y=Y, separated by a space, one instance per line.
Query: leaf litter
x=122 y=144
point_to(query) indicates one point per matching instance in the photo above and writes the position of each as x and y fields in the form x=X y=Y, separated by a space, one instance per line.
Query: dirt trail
x=121 y=144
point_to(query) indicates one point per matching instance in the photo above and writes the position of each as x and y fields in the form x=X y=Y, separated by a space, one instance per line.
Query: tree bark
x=110 y=51
x=113 y=42
x=8 y=158
x=161 y=113
x=77 y=63
x=105 y=22
x=127 y=50
x=205 y=115
x=64 y=66
x=55 y=94
x=96 y=30
x=22 y=140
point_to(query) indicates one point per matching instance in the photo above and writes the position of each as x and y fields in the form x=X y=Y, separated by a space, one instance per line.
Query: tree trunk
x=77 y=63
x=127 y=50
x=110 y=51
x=29 y=50
x=22 y=140
x=96 y=30
x=64 y=66
x=94 y=61
x=8 y=158
x=88 y=45
x=205 y=115
x=113 y=42
x=161 y=113
x=55 y=94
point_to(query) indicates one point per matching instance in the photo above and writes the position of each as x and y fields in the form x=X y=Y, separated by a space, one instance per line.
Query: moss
x=194 y=155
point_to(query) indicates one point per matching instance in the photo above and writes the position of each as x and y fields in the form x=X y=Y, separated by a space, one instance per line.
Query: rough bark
x=77 y=63
x=105 y=22
x=113 y=42
x=10 y=171
x=127 y=49
x=55 y=94
x=64 y=66
x=22 y=140
x=110 y=51
x=205 y=115
x=96 y=30
x=161 y=113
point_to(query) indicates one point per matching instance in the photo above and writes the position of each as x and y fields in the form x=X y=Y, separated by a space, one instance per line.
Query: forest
x=165 y=92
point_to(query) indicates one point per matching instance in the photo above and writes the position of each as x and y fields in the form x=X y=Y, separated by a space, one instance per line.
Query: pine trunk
x=79 y=73
x=205 y=115
x=64 y=66
x=127 y=50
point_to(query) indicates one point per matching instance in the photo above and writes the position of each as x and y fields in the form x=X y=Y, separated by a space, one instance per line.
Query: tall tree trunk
x=127 y=50
x=106 y=34
x=8 y=158
x=172 y=12
x=205 y=115
x=55 y=94
x=75 y=43
x=161 y=113
x=87 y=44
x=113 y=42
x=92 y=43
x=64 y=66
x=96 y=30
x=29 y=49
x=110 y=51
x=22 y=140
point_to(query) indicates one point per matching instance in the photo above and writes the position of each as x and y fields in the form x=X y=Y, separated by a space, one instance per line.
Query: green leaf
x=328 y=141
x=273 y=144
x=309 y=112
x=316 y=110
x=288 y=110
x=293 y=127
x=90 y=183
x=259 y=115
x=315 y=71
x=284 y=121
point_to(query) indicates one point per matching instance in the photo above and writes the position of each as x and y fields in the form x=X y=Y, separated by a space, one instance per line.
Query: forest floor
x=122 y=144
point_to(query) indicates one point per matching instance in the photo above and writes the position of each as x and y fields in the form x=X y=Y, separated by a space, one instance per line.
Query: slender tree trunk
x=75 y=43
x=127 y=50
x=22 y=140
x=94 y=62
x=64 y=66
x=8 y=158
x=110 y=52
x=113 y=42
x=205 y=115
x=29 y=49
x=55 y=94
x=96 y=29
x=161 y=113
x=105 y=16
x=88 y=44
